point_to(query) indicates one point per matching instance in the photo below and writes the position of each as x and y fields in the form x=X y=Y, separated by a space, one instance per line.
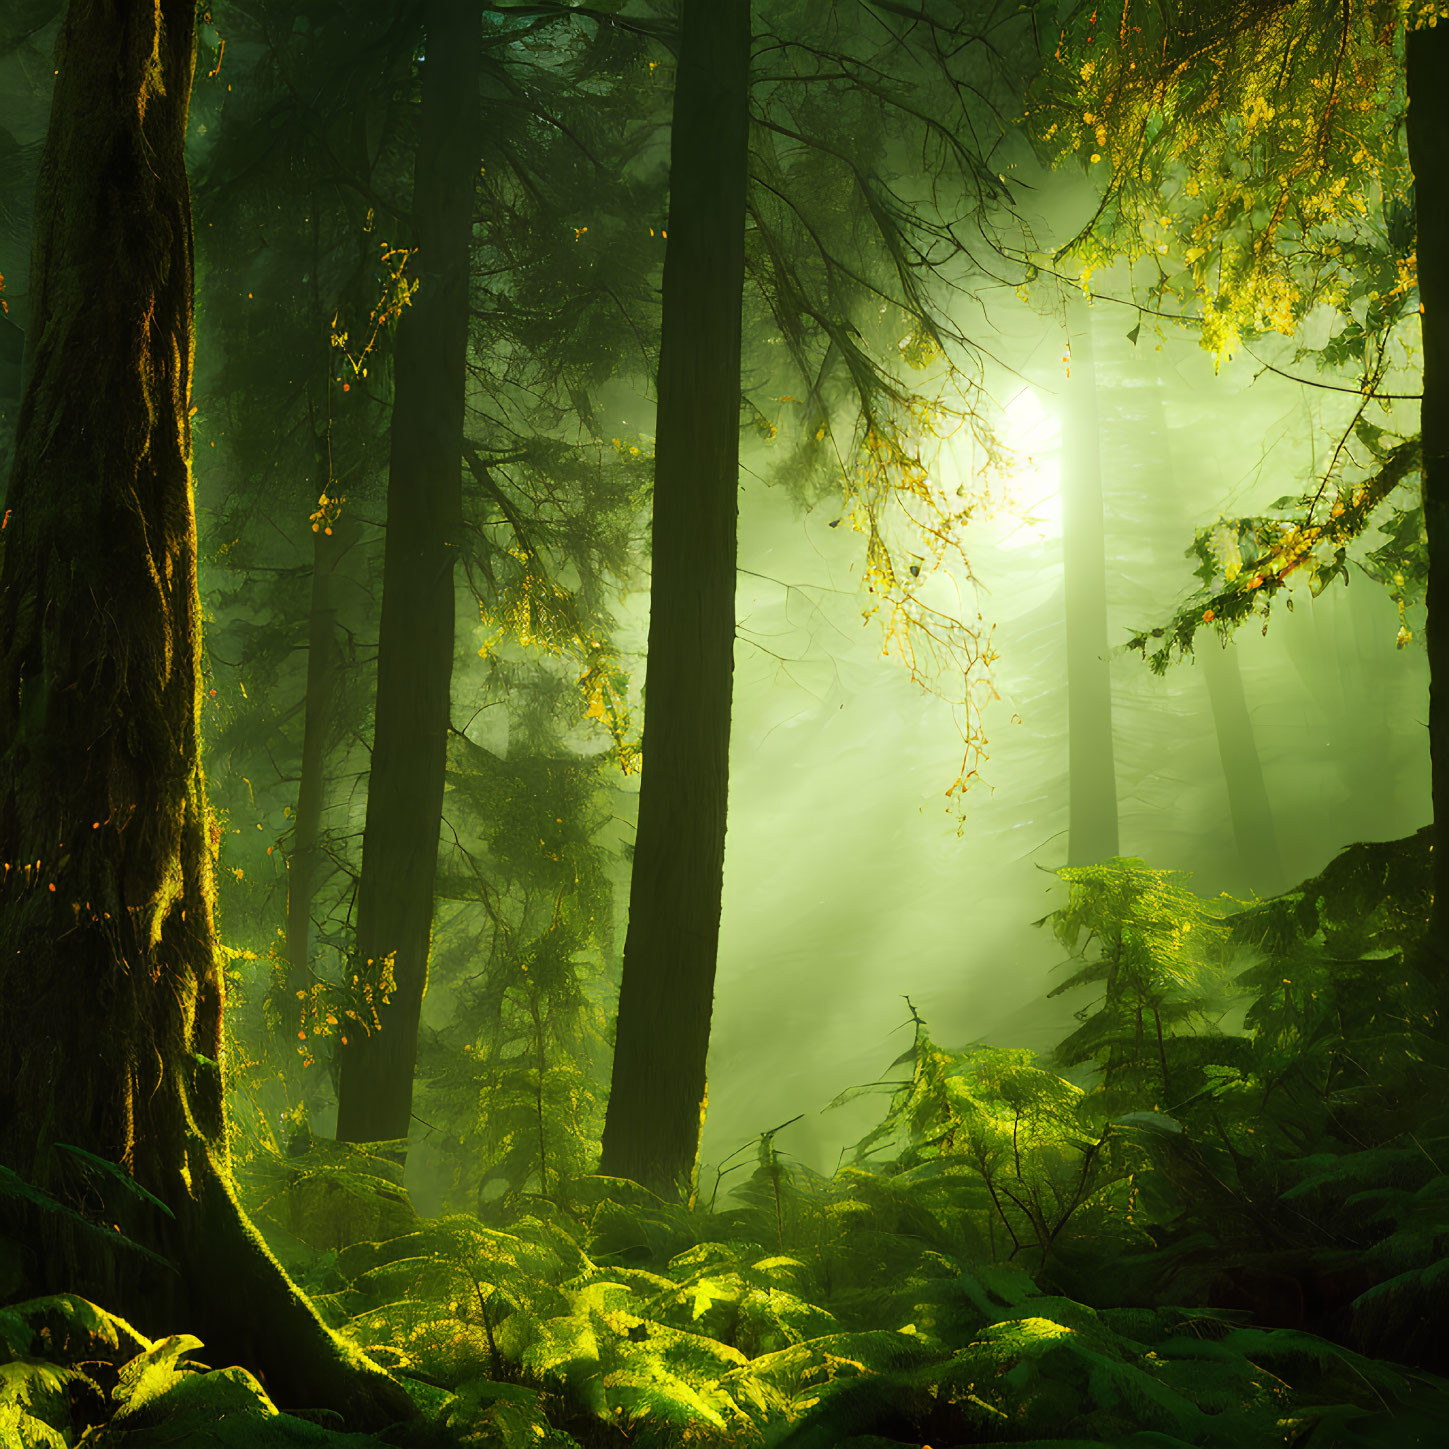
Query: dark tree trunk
x=1092 y=766
x=1428 y=65
x=111 y=992
x=666 y=998
x=415 y=638
x=319 y=722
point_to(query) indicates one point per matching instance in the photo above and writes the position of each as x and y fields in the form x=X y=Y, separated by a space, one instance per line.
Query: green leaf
x=152 y=1373
x=13 y=1185
x=119 y=1174
x=73 y=1327
x=1149 y=1122
x=35 y=1403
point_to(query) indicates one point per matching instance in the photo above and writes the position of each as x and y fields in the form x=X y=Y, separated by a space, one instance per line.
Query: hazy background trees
x=847 y=878
x=841 y=775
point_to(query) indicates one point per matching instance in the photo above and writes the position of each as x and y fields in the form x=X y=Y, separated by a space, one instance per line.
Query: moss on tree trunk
x=111 y=991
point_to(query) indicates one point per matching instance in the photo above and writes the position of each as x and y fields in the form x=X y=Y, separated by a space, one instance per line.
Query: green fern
x=72 y=1373
x=1160 y=957
x=19 y=1190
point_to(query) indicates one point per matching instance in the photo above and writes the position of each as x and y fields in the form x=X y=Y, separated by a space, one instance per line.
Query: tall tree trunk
x=1258 y=861
x=111 y=992
x=1260 y=865
x=1330 y=663
x=1092 y=769
x=319 y=721
x=666 y=997
x=1428 y=64
x=415 y=635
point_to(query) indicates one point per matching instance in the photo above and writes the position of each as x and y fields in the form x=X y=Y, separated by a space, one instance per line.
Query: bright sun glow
x=1033 y=511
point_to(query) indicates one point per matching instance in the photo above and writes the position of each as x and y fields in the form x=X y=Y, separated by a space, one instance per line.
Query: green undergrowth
x=1216 y=1218
x=623 y=1319
x=71 y=1373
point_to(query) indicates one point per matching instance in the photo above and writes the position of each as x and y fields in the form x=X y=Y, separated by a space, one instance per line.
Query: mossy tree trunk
x=1428 y=65
x=666 y=998
x=415 y=638
x=111 y=991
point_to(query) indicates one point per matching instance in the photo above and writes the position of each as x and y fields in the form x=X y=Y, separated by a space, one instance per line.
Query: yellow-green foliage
x=933 y=1291
x=550 y=1337
x=989 y=1268
x=1246 y=563
x=1251 y=164
x=1160 y=957
x=876 y=1322
x=324 y=1194
x=72 y=1373
x=1242 y=145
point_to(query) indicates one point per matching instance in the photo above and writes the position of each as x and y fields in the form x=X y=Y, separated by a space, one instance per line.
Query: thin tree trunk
x=1259 y=863
x=1428 y=64
x=111 y=992
x=415 y=635
x=1092 y=769
x=666 y=997
x=323 y=662
x=1331 y=669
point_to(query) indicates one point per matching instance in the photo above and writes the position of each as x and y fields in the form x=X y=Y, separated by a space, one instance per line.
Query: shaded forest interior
x=583 y=586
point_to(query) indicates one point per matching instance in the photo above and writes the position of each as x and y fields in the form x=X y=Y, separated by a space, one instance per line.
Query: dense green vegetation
x=356 y=995
x=1255 y=1145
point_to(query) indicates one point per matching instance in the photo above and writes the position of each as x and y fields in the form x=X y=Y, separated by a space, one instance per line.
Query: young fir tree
x=512 y=1059
x=1158 y=958
x=110 y=983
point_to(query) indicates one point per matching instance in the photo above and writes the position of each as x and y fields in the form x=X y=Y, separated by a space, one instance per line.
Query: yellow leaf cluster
x=1272 y=127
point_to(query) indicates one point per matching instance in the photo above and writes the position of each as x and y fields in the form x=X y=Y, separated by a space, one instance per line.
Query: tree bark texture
x=666 y=998
x=111 y=991
x=1092 y=770
x=415 y=639
x=1428 y=67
